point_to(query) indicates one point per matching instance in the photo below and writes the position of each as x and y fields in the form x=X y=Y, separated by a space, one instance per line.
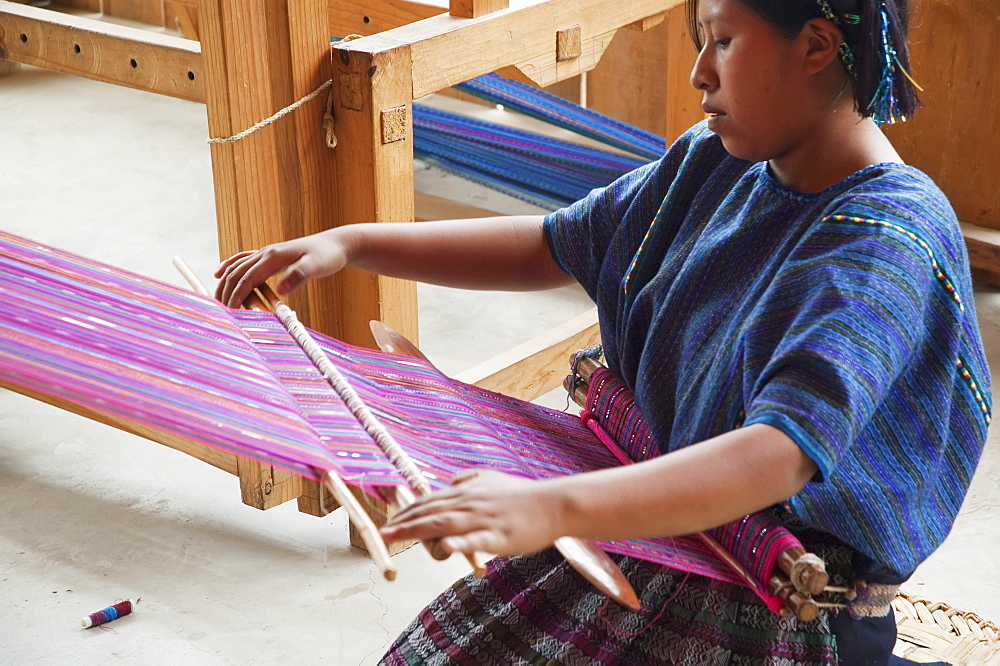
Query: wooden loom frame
x=279 y=52
x=258 y=57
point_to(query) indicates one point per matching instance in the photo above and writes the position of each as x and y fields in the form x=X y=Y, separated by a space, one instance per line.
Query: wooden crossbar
x=101 y=51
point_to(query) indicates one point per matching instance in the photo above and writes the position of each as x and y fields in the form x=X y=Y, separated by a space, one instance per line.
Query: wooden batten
x=101 y=51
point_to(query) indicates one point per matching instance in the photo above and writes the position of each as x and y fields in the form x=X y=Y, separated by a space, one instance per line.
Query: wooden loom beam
x=536 y=366
x=519 y=41
x=101 y=51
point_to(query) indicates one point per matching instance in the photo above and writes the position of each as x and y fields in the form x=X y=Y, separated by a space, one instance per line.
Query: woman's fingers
x=228 y=262
x=230 y=275
x=431 y=525
x=242 y=273
x=482 y=510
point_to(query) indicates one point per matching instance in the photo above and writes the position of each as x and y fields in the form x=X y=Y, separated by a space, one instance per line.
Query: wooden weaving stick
x=364 y=524
x=582 y=554
x=371 y=425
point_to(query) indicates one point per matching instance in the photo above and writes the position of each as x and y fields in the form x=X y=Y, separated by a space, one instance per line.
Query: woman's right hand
x=299 y=260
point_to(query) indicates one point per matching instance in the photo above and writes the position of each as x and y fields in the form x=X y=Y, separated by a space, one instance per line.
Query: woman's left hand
x=484 y=511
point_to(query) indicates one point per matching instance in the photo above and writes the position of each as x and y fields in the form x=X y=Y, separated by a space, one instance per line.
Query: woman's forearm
x=508 y=253
x=690 y=490
x=687 y=491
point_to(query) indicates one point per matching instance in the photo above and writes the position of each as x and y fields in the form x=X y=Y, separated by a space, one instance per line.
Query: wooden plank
x=430 y=207
x=151 y=12
x=88 y=5
x=475 y=8
x=983 y=245
x=447 y=50
x=643 y=78
x=101 y=51
x=683 y=102
x=369 y=17
x=538 y=365
x=954 y=48
x=183 y=15
x=374 y=182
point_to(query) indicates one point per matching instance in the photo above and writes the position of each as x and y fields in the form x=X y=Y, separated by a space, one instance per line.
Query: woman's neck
x=841 y=145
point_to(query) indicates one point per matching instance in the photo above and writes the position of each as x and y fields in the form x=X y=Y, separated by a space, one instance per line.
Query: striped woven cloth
x=142 y=352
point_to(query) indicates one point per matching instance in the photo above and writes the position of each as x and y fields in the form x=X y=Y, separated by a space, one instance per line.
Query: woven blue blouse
x=844 y=318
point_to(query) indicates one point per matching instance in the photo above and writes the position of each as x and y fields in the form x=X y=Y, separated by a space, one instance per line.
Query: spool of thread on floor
x=108 y=614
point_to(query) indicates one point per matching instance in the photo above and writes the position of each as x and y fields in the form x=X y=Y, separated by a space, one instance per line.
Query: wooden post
x=276 y=183
x=373 y=93
x=374 y=178
x=953 y=51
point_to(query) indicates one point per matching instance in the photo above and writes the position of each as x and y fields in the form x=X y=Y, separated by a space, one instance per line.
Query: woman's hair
x=875 y=33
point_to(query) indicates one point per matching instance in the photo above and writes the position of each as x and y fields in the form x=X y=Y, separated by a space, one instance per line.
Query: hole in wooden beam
x=366 y=20
x=133 y=63
x=76 y=48
x=190 y=76
x=24 y=38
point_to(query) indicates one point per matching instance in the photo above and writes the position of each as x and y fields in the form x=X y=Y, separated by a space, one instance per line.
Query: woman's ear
x=822 y=44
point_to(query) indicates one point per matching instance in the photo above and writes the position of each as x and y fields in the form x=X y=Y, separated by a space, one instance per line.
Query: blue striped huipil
x=843 y=318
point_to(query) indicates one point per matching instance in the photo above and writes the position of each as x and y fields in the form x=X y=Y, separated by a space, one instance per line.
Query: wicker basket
x=929 y=631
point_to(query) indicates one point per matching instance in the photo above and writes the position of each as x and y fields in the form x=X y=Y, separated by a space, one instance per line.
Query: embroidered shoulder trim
x=944 y=281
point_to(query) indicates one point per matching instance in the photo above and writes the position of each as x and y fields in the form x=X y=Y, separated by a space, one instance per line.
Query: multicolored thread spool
x=108 y=614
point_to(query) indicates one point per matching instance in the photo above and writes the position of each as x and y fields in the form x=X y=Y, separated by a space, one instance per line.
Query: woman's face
x=753 y=90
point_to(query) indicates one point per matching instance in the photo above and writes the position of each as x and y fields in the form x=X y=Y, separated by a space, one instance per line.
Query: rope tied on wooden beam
x=280 y=114
x=328 y=121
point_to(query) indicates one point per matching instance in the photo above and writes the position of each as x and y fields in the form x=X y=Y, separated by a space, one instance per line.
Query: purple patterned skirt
x=535 y=609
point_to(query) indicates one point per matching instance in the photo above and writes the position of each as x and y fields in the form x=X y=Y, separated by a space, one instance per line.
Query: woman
x=792 y=307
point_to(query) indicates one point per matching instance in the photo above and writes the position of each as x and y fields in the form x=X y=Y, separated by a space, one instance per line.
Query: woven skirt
x=535 y=609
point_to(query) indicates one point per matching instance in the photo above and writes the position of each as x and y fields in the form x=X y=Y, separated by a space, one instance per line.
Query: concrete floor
x=91 y=515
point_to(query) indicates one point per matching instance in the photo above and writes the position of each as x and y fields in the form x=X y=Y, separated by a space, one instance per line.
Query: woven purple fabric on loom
x=167 y=360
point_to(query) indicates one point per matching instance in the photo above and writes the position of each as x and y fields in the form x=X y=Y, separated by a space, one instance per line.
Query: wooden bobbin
x=806 y=571
x=802 y=606
x=585 y=366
